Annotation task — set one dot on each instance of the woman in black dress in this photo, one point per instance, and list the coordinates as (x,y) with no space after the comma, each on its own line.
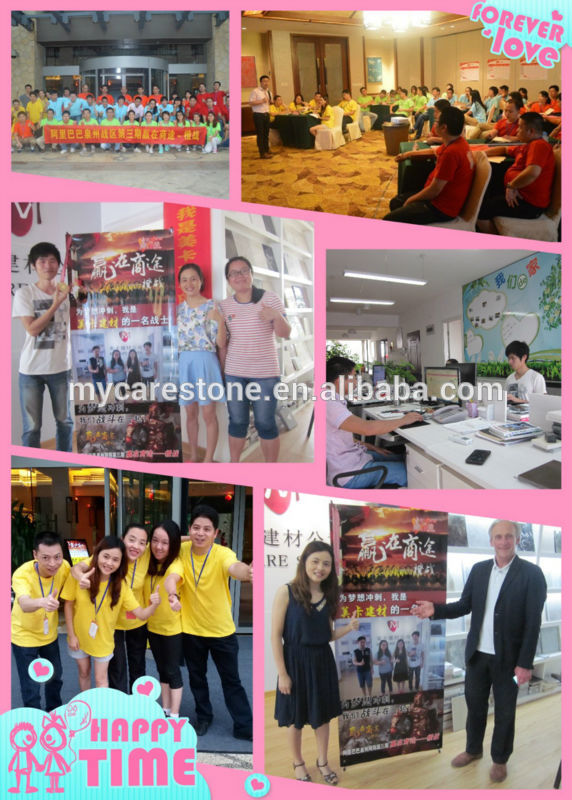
(401,668)
(302,629)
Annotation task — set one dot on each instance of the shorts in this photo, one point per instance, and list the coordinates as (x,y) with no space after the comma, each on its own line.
(77,654)
(364,678)
(203,365)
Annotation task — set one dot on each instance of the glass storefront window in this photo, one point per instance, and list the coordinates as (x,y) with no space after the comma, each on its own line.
(147,499)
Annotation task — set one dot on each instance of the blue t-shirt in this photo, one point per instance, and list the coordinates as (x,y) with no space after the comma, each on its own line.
(77,107)
(56,106)
(478,112)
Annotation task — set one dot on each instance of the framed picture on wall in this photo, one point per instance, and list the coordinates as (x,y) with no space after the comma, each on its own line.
(248,72)
(374,71)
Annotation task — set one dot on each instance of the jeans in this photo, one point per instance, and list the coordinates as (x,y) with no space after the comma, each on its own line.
(31,403)
(414,672)
(128,655)
(264,408)
(224,652)
(396,472)
(385,678)
(31,698)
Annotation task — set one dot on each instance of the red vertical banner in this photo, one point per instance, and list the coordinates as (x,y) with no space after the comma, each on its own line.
(191,227)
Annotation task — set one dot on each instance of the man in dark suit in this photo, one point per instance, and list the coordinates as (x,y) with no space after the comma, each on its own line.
(504,596)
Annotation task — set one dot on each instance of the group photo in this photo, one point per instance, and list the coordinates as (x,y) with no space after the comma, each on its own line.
(166,333)
(95,94)
(105,591)
(459,139)
(371,653)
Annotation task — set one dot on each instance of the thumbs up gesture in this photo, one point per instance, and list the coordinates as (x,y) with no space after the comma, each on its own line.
(51,602)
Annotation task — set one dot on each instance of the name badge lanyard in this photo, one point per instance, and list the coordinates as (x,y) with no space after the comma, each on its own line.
(94,626)
(46,622)
(130,614)
(197,580)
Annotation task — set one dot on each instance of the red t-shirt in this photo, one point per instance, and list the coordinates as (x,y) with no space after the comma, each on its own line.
(220,108)
(156,97)
(218,97)
(455,165)
(197,108)
(540,153)
(23,129)
(505,128)
(110,99)
(201,98)
(555,105)
(538,108)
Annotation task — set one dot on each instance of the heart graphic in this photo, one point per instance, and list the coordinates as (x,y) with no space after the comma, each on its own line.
(277,501)
(256,784)
(41,670)
(392,625)
(557,16)
(523,329)
(488,33)
(145,688)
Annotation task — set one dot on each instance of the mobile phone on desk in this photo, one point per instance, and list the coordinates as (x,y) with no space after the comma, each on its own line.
(478,457)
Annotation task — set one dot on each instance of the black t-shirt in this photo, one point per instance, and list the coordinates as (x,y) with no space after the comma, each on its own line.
(363,657)
(99,365)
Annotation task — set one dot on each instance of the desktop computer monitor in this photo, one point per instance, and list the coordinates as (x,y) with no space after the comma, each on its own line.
(378,374)
(436,378)
(468,371)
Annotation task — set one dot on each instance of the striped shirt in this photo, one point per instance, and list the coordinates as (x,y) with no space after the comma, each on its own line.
(252,345)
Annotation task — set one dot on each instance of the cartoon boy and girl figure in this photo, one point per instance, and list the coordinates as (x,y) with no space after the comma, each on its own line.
(53,739)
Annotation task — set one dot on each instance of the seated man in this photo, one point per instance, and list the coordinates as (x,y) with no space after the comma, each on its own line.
(424,115)
(527,182)
(447,187)
(506,126)
(404,106)
(524,381)
(350,109)
(343,453)
(277,108)
(365,101)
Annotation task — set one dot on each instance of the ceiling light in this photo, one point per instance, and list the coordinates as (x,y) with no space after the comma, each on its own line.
(368,276)
(362,302)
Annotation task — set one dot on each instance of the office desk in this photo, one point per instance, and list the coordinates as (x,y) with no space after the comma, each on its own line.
(435,462)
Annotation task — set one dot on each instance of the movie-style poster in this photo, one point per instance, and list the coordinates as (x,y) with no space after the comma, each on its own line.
(124,344)
(391,670)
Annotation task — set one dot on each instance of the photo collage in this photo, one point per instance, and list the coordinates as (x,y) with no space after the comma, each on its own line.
(223,372)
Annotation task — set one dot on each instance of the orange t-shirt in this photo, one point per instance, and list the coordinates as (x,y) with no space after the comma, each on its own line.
(555,105)
(540,153)
(23,129)
(455,165)
(538,108)
(505,128)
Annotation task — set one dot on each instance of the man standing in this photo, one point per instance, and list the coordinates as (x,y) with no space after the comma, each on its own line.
(415,660)
(259,101)
(148,364)
(37,585)
(206,615)
(504,596)
(362,661)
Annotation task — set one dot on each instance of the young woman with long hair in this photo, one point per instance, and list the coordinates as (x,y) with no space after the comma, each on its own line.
(91,614)
(165,629)
(302,629)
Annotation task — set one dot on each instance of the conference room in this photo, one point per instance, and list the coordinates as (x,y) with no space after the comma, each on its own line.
(458,364)
(349,111)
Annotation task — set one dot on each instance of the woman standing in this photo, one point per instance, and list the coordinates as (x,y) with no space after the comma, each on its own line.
(165,627)
(401,668)
(254,317)
(200,331)
(302,629)
(116,367)
(133,368)
(92,614)
(384,663)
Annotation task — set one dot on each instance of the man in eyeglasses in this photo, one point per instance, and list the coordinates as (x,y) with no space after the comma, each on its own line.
(37,585)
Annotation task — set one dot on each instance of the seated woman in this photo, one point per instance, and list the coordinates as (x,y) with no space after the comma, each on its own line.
(299,105)
(325,114)
(477,112)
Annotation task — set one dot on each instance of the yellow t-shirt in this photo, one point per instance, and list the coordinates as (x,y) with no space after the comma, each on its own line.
(164,621)
(277,111)
(206,608)
(102,644)
(350,107)
(35,111)
(135,579)
(300,108)
(328,112)
(28,628)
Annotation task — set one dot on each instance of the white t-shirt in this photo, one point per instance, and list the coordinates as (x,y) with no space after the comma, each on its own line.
(343,453)
(50,351)
(531,382)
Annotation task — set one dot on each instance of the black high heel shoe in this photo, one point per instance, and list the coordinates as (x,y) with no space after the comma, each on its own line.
(330,778)
(306,778)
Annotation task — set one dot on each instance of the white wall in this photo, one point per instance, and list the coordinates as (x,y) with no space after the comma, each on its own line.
(436,311)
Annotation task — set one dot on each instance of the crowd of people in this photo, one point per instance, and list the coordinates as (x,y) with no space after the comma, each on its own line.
(235,337)
(198,108)
(521,185)
(162,589)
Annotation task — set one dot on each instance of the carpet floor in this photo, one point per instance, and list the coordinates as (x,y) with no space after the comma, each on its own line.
(358,179)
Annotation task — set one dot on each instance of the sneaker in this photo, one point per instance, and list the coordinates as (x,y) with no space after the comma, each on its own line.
(136,150)
(32,149)
(122,149)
